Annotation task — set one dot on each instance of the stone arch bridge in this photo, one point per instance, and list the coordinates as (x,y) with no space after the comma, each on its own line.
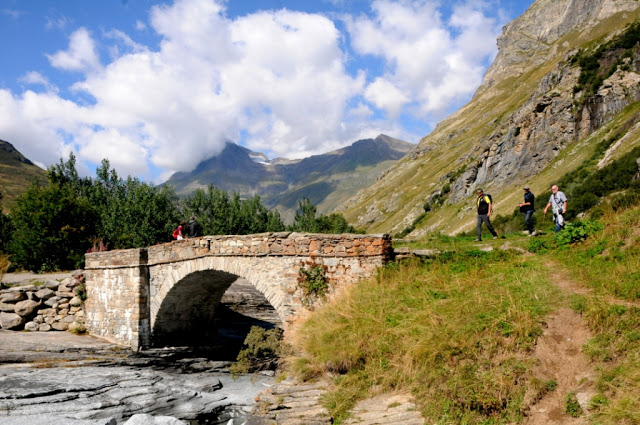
(167,294)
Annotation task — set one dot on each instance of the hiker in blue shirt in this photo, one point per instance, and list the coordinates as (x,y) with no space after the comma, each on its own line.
(558,204)
(484,212)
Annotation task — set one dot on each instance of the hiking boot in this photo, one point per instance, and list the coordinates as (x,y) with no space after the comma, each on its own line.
(478,240)
(533,233)
(495,237)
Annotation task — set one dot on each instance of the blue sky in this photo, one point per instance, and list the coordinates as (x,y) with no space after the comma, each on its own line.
(156,87)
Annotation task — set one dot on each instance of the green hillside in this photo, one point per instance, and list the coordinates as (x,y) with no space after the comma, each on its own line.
(528,126)
(16,173)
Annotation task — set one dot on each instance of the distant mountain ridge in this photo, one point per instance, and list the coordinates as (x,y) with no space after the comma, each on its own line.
(16,173)
(327,179)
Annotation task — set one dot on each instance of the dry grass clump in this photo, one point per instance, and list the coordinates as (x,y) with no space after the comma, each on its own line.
(456,331)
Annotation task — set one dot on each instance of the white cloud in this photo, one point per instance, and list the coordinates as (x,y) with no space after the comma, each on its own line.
(275,79)
(384,95)
(427,63)
(36,78)
(81,55)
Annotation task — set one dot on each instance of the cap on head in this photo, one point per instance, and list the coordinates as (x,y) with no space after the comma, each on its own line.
(526,188)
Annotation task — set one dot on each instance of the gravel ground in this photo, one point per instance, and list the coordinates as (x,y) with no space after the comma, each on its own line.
(28,277)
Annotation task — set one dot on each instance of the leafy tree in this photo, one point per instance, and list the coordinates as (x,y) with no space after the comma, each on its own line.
(6,228)
(132,213)
(220,215)
(53,228)
(306,220)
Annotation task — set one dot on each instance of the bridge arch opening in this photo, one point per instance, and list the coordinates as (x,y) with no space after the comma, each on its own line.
(213,310)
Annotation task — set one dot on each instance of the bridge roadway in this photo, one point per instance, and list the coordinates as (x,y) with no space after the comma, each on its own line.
(167,294)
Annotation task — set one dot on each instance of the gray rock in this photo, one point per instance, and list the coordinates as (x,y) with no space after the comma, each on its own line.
(144,419)
(10,321)
(25,288)
(75,301)
(65,294)
(12,297)
(52,420)
(45,294)
(53,301)
(7,308)
(60,326)
(51,284)
(27,307)
(44,327)
(31,326)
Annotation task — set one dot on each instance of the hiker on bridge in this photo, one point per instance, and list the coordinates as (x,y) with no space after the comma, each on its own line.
(485,207)
(558,204)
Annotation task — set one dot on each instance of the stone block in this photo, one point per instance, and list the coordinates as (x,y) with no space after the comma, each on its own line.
(52,302)
(7,308)
(60,326)
(75,301)
(51,284)
(44,327)
(26,307)
(12,297)
(11,321)
(45,294)
(31,326)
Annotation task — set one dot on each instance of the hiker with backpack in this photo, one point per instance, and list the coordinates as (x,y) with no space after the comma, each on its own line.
(527,208)
(485,207)
(558,204)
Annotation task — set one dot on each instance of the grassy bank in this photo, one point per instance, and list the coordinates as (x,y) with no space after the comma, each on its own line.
(455,331)
(458,331)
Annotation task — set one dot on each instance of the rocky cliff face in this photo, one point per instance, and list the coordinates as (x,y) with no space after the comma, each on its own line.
(528,116)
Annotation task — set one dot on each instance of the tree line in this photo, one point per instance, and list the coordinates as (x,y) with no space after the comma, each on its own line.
(51,227)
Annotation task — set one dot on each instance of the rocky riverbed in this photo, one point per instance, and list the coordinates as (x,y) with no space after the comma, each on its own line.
(60,378)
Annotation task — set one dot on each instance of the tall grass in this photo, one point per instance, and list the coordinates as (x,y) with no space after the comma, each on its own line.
(455,331)
(609,262)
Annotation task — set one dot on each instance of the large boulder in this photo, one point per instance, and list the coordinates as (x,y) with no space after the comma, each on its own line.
(27,307)
(11,321)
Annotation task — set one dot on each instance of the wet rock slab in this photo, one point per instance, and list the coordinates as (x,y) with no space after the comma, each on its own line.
(93,382)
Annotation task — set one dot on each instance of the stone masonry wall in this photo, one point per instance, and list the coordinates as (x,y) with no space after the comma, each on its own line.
(126,289)
(117,293)
(54,306)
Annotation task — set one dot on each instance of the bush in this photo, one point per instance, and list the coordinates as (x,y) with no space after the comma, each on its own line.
(577,232)
(261,351)
(313,282)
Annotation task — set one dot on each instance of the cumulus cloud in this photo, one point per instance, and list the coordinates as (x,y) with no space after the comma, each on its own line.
(429,64)
(36,78)
(274,80)
(81,55)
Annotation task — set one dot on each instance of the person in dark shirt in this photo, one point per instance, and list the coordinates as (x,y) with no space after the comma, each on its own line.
(527,208)
(484,212)
(194,227)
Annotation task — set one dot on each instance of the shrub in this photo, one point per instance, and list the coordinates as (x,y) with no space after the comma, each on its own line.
(313,282)
(577,232)
(261,351)
(538,245)
(573,406)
